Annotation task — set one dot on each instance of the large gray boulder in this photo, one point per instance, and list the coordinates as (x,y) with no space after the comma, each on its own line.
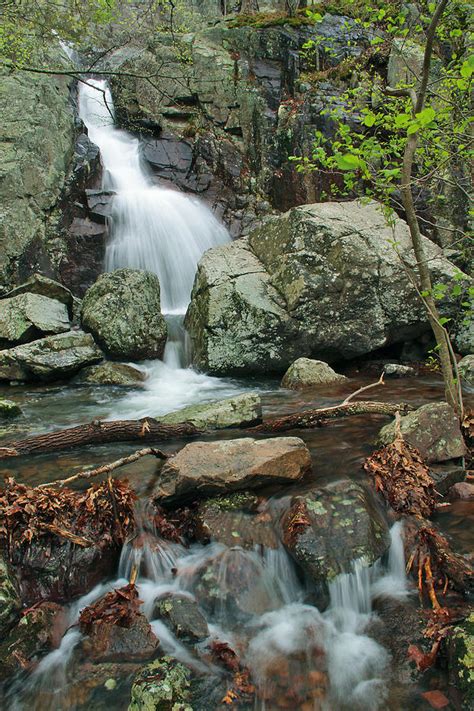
(122,311)
(202,468)
(110,373)
(236,411)
(321,281)
(26,317)
(40,284)
(433,429)
(305,373)
(50,358)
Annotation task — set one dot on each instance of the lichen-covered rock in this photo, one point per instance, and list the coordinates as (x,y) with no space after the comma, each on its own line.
(466,369)
(10,603)
(183,615)
(122,311)
(9,409)
(464,338)
(230,465)
(40,284)
(163,685)
(110,373)
(50,358)
(327,529)
(396,370)
(304,373)
(461,660)
(236,319)
(236,411)
(27,317)
(433,429)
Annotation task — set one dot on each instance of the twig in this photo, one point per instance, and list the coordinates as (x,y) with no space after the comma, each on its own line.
(380,381)
(106,468)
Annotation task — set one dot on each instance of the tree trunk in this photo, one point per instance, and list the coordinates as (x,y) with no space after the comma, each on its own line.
(248,7)
(291,7)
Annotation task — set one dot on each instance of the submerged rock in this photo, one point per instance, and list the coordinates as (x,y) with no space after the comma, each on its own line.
(27,317)
(304,373)
(122,311)
(239,411)
(461,660)
(229,465)
(433,429)
(327,529)
(163,685)
(110,373)
(50,358)
(10,603)
(183,615)
(466,369)
(9,409)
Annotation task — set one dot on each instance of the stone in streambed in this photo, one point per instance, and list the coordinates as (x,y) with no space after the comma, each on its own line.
(202,468)
(463,490)
(122,311)
(39,284)
(26,317)
(183,615)
(466,369)
(110,373)
(305,372)
(461,660)
(50,358)
(433,429)
(163,685)
(10,603)
(240,411)
(9,409)
(396,370)
(327,529)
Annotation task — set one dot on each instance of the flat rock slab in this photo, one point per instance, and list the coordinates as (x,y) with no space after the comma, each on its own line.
(26,317)
(237,411)
(231,465)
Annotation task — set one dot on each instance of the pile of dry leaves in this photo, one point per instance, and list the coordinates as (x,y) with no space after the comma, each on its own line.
(103,512)
(119,607)
(241,688)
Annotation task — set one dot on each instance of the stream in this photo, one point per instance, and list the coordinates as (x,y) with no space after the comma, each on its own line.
(283,636)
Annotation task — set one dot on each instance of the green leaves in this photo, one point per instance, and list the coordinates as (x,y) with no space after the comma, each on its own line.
(421,120)
(348,161)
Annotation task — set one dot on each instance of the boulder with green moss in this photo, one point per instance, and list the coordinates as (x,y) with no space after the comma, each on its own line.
(466,369)
(9,409)
(26,317)
(461,660)
(40,284)
(239,411)
(163,685)
(122,311)
(305,373)
(110,373)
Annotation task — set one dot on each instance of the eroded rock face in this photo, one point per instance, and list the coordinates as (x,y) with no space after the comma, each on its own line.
(237,411)
(304,373)
(26,317)
(433,429)
(109,373)
(327,529)
(231,465)
(122,311)
(50,358)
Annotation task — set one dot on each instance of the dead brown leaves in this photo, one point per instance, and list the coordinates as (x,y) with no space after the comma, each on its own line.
(103,512)
(296,522)
(401,476)
(241,687)
(119,607)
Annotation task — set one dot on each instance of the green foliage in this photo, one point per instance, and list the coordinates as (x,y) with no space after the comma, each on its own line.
(260,20)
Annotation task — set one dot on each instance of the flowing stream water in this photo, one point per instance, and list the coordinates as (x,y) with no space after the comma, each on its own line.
(164,231)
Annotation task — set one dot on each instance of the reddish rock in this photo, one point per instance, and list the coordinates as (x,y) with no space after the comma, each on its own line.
(463,490)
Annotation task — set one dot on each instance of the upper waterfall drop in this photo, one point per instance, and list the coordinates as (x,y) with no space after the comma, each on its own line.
(151,227)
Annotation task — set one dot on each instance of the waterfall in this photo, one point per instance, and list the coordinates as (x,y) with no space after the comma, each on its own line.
(151,227)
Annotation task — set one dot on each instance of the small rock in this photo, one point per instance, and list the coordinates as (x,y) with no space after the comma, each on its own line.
(462,490)
(466,369)
(27,317)
(50,358)
(395,370)
(163,685)
(240,411)
(445,476)
(230,465)
(122,311)
(8,409)
(304,373)
(110,373)
(183,616)
(433,429)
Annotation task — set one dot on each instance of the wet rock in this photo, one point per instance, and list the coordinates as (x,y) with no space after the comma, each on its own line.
(464,338)
(445,476)
(9,409)
(462,490)
(235,520)
(239,411)
(44,286)
(26,317)
(109,373)
(100,687)
(461,660)
(396,370)
(230,465)
(50,358)
(183,615)
(10,603)
(466,369)
(122,311)
(163,685)
(236,319)
(327,529)
(304,373)
(433,429)
(37,633)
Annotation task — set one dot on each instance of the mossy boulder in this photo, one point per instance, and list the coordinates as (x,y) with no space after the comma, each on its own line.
(461,660)
(110,373)
(305,373)
(10,603)
(26,317)
(122,311)
(236,411)
(9,409)
(163,685)
(466,369)
(40,284)
(433,429)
